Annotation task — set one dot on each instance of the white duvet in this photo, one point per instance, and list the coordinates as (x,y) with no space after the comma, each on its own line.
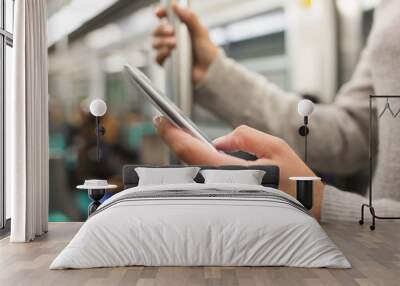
(200,231)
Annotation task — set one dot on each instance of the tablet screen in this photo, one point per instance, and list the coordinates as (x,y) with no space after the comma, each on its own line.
(165,105)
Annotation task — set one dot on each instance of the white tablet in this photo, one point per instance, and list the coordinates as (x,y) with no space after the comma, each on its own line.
(165,105)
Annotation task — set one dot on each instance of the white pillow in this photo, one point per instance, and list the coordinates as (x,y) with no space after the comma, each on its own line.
(166,176)
(243,177)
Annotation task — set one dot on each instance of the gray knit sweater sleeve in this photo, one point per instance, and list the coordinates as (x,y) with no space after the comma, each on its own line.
(345,206)
(339,131)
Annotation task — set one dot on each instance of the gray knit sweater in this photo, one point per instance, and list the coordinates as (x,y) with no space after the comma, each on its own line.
(340,130)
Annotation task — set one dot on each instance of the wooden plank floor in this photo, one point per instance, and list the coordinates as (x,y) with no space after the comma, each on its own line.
(375,257)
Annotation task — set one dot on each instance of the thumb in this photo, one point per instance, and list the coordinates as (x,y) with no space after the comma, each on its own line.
(249,140)
(188,17)
(189,149)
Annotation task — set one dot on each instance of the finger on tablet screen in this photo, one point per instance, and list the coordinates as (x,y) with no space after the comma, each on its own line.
(189,149)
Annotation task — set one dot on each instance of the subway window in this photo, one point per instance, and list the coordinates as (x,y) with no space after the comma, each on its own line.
(256,41)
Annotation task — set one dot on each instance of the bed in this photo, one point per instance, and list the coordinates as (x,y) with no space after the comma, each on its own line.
(199,224)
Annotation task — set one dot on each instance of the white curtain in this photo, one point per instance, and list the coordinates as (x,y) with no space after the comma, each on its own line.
(27,124)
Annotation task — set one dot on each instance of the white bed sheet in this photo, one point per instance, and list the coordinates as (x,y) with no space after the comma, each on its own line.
(200,232)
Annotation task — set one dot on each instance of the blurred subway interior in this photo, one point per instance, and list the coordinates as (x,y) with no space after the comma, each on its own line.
(310,47)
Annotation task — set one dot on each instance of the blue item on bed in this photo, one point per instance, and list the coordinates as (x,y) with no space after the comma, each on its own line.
(106,197)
